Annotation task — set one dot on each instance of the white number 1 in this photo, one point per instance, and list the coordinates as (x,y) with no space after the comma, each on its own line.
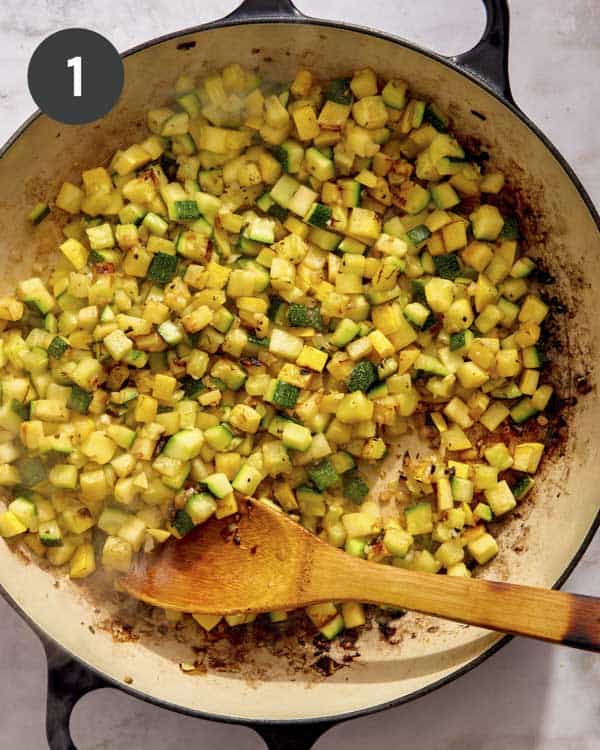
(75,63)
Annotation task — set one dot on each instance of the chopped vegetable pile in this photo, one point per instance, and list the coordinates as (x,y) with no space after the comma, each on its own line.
(258,299)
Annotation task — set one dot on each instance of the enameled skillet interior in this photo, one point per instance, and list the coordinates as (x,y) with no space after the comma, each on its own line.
(537,546)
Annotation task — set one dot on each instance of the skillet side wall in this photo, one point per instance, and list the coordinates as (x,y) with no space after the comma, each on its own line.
(567,503)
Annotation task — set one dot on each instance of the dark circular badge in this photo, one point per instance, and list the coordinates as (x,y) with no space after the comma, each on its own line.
(75,76)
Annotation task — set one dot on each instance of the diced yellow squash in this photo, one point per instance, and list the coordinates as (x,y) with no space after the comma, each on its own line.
(69,198)
(454,236)
(355,407)
(313,358)
(500,498)
(487,222)
(75,252)
(305,120)
(364,83)
(527,457)
(483,548)
(494,415)
(455,439)
(245,418)
(117,554)
(10,525)
(83,562)
(471,376)
(533,310)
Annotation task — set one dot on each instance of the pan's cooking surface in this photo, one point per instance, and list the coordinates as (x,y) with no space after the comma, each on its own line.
(530,555)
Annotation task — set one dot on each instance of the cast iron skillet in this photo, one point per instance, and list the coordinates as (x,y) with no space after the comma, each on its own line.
(68,678)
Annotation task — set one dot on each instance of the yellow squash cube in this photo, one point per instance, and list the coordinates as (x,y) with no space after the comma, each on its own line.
(454,236)
(483,548)
(305,120)
(245,418)
(527,457)
(83,562)
(494,415)
(500,498)
(145,408)
(381,344)
(355,407)
(98,447)
(471,376)
(164,387)
(313,358)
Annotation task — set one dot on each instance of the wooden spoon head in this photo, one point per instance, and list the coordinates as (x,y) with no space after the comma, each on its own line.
(255,561)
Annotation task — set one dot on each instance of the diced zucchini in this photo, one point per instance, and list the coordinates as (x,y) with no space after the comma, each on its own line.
(252,301)
(447,266)
(318,215)
(282,394)
(532,358)
(318,165)
(394,93)
(79,400)
(445,196)
(247,480)
(200,507)
(434,115)
(184,445)
(417,314)
(182,523)
(32,471)
(523,411)
(345,332)
(362,377)
(283,190)
(418,234)
(58,346)
(290,155)
(218,485)
(50,534)
(38,213)
(323,475)
(296,436)
(111,519)
(419,519)
(26,511)
(417,199)
(219,437)
(522,487)
(510,229)
(261,230)
(354,487)
(162,268)
(339,91)
(171,332)
(33,292)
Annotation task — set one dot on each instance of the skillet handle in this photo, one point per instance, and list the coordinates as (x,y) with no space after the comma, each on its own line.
(68,682)
(488,59)
(251,10)
(292,736)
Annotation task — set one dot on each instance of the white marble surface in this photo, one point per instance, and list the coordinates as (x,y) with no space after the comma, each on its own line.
(527,697)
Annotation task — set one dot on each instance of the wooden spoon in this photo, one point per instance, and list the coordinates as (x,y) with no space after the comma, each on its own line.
(261,560)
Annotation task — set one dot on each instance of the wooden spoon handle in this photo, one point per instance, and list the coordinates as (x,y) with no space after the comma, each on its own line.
(554,616)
